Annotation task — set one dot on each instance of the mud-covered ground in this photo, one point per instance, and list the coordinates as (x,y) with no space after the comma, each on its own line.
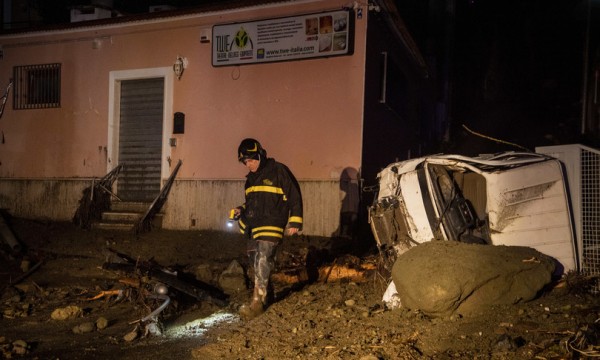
(338,316)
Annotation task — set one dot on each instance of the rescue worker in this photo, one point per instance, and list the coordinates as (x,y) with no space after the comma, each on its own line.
(272,208)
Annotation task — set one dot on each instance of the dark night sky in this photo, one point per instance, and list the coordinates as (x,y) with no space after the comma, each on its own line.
(515,66)
(518,69)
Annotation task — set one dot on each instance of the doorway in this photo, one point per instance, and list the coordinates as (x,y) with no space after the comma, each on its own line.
(140,139)
(139,130)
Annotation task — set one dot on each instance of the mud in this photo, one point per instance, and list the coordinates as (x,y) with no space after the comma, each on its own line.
(331,317)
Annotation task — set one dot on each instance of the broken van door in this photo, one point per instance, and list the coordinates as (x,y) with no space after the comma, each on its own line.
(454,214)
(517,199)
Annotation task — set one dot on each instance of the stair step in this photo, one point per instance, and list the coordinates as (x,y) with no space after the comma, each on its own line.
(113,226)
(127,206)
(125,215)
(112,216)
(125,221)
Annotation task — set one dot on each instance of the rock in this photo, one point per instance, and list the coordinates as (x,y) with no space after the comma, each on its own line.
(9,313)
(101,323)
(203,273)
(69,312)
(20,347)
(131,336)
(86,327)
(233,280)
(25,265)
(481,275)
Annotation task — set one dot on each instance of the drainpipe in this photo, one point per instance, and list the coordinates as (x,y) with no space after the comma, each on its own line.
(7,14)
(586,51)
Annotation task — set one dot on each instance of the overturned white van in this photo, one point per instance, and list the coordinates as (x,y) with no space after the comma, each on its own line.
(517,199)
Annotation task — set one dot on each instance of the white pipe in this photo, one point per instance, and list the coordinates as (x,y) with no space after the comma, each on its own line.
(157,311)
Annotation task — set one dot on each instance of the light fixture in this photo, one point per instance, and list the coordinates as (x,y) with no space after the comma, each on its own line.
(96,44)
(178,67)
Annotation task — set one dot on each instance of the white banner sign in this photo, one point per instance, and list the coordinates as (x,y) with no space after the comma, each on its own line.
(290,38)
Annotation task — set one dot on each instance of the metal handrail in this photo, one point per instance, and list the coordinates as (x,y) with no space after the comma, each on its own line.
(145,222)
(96,199)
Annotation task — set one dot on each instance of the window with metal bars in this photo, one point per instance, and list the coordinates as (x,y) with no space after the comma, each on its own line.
(36,86)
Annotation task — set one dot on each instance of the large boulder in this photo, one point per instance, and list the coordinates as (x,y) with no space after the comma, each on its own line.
(442,278)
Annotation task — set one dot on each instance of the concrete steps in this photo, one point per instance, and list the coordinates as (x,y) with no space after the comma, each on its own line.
(123,216)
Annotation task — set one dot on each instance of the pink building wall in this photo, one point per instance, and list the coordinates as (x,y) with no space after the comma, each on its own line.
(307,114)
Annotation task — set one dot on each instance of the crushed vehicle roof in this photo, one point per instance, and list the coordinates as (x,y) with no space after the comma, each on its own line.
(481,163)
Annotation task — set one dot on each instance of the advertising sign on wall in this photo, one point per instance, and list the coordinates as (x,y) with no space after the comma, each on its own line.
(282,39)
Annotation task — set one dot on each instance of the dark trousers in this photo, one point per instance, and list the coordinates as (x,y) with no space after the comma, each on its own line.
(262,256)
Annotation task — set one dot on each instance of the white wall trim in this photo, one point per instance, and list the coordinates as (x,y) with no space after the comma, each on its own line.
(114,94)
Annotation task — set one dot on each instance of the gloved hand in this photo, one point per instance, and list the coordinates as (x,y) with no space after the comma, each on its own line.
(292,230)
(235,213)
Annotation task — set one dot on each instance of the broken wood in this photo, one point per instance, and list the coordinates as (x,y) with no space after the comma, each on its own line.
(330,273)
(130,282)
(106,293)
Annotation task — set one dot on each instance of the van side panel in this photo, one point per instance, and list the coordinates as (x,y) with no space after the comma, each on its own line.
(528,206)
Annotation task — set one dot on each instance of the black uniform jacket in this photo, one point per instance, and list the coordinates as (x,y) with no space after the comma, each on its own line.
(273,199)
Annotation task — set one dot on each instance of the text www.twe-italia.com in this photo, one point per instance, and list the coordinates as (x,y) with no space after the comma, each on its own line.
(292,50)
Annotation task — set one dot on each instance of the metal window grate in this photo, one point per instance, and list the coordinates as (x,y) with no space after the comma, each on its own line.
(36,86)
(582,164)
(590,212)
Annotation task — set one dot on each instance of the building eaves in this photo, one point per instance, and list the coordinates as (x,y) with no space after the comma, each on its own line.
(211,7)
(396,23)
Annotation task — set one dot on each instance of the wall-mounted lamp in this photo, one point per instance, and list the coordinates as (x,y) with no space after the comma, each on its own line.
(179,65)
(100,41)
(96,44)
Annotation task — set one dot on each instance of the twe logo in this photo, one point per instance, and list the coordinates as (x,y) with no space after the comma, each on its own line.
(241,41)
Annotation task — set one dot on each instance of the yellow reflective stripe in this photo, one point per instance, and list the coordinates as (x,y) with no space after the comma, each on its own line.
(242,231)
(271,234)
(263,188)
(296,219)
(269,231)
(264,228)
(241,224)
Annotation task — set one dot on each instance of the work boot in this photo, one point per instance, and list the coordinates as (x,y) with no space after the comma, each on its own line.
(254,309)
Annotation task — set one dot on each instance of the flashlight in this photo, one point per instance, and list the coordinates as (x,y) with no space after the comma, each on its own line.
(233,217)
